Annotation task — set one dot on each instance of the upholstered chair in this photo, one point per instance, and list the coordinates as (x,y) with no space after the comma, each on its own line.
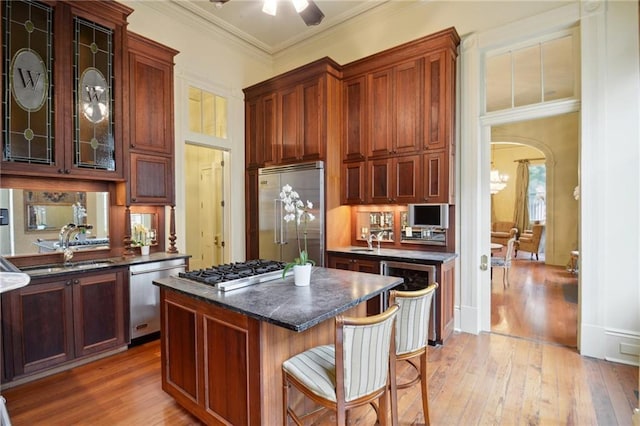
(530,241)
(502,231)
(504,262)
(352,372)
(412,334)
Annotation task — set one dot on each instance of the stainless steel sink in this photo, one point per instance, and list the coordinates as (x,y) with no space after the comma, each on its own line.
(61,267)
(362,249)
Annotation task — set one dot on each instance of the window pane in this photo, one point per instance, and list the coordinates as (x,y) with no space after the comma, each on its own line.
(558,69)
(527,76)
(208,113)
(195,123)
(498,82)
(221,117)
(537,193)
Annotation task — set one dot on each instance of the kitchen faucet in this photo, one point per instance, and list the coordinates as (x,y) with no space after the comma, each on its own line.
(65,235)
(379,236)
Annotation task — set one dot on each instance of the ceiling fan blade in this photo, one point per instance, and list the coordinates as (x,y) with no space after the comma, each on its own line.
(312,15)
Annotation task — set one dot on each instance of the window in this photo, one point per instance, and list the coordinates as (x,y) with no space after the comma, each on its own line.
(207,113)
(537,192)
(543,72)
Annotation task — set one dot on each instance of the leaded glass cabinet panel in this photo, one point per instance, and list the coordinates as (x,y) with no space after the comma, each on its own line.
(28,105)
(94,145)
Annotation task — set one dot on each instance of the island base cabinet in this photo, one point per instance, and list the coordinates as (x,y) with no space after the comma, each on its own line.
(207,356)
(50,323)
(226,368)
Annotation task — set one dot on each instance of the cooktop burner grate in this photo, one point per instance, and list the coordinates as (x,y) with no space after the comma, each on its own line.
(237,275)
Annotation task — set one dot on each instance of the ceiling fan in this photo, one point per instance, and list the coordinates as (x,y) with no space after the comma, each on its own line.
(307,9)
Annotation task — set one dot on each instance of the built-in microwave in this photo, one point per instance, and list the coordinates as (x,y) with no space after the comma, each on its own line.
(428,215)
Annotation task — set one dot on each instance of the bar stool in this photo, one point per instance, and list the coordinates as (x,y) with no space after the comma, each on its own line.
(354,371)
(412,334)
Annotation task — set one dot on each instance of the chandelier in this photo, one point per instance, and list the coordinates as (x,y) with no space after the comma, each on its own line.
(498,181)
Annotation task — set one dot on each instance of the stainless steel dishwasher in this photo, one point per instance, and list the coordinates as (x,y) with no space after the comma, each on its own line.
(145,296)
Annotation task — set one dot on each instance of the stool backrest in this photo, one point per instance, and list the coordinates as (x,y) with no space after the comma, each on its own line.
(412,324)
(362,353)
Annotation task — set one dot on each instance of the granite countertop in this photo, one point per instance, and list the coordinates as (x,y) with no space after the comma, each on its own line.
(397,254)
(83,266)
(280,302)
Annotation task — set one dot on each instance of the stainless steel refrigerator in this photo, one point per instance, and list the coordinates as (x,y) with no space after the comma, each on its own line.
(277,237)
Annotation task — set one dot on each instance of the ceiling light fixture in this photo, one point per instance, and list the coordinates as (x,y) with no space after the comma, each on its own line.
(270,7)
(498,181)
(300,5)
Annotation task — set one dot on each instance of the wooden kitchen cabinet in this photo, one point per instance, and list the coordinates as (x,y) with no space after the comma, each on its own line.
(394,180)
(149,125)
(399,120)
(208,354)
(260,127)
(354,105)
(394,109)
(445,300)
(71,133)
(100,311)
(354,263)
(437,184)
(353,182)
(49,323)
(292,117)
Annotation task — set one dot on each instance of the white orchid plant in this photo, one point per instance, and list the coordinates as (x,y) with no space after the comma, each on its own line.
(298,211)
(140,235)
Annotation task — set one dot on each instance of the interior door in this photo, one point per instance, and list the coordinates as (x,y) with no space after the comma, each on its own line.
(207,216)
(218,212)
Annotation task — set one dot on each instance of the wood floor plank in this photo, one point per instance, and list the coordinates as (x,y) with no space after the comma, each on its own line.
(526,372)
(483,379)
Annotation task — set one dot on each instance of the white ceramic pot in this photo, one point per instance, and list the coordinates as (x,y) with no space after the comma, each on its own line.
(144,250)
(302,275)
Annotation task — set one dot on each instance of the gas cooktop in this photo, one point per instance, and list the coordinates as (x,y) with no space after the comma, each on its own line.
(237,275)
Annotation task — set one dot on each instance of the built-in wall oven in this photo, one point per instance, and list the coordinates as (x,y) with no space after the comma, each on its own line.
(416,277)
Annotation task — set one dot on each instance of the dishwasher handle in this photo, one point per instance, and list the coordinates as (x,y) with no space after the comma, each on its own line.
(166,268)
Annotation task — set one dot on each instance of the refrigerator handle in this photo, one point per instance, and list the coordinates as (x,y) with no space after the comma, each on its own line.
(277,222)
(283,227)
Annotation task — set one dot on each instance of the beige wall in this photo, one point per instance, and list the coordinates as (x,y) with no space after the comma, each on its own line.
(555,138)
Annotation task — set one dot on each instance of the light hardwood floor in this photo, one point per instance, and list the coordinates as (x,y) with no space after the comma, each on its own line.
(490,378)
(540,303)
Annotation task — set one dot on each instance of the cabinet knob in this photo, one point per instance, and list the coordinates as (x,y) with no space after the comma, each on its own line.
(133,200)
(66,171)
(60,171)
(76,281)
(68,282)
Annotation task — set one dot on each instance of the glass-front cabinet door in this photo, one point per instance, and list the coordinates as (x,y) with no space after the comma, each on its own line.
(62,111)
(93,141)
(28,135)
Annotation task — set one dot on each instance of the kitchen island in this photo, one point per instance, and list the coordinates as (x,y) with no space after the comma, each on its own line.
(222,351)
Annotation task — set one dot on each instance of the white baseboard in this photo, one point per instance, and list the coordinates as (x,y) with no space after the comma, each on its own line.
(468,319)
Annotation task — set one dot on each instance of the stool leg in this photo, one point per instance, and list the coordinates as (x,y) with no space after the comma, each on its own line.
(424,386)
(394,391)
